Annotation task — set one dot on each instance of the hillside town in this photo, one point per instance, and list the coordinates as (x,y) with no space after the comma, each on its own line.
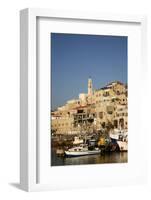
(93,111)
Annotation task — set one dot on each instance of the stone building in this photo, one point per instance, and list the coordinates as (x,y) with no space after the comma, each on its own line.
(92,111)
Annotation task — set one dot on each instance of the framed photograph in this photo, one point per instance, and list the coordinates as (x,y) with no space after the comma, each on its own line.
(81,81)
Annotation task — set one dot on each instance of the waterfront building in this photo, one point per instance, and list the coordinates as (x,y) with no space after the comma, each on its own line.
(92,111)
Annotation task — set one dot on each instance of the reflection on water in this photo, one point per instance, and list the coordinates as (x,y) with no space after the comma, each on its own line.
(113,157)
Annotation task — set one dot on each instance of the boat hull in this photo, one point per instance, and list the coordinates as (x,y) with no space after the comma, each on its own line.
(84,153)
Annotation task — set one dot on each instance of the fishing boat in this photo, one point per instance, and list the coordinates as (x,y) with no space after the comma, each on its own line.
(81,150)
(123,145)
(123,142)
(121,138)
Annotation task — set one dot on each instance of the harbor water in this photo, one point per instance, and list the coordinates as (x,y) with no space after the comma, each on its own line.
(107,157)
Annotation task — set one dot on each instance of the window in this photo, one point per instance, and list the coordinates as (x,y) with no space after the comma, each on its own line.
(80,111)
(106,94)
(100,115)
(118,92)
(109,109)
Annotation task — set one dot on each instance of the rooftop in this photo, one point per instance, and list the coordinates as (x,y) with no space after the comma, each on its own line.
(109,85)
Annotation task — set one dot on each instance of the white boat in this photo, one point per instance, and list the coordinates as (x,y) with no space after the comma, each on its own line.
(123,145)
(77,140)
(81,151)
(121,137)
(114,134)
(117,134)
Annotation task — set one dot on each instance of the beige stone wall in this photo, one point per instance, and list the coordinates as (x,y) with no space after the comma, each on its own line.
(62,125)
(106,105)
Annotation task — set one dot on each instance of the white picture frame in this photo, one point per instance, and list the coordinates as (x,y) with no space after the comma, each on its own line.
(29,141)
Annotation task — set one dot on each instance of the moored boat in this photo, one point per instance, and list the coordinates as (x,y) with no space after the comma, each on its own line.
(123,145)
(121,138)
(81,151)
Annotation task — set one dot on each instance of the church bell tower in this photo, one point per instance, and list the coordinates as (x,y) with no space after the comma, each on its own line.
(90,88)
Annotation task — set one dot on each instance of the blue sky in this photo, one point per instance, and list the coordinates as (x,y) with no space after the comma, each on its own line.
(76,57)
